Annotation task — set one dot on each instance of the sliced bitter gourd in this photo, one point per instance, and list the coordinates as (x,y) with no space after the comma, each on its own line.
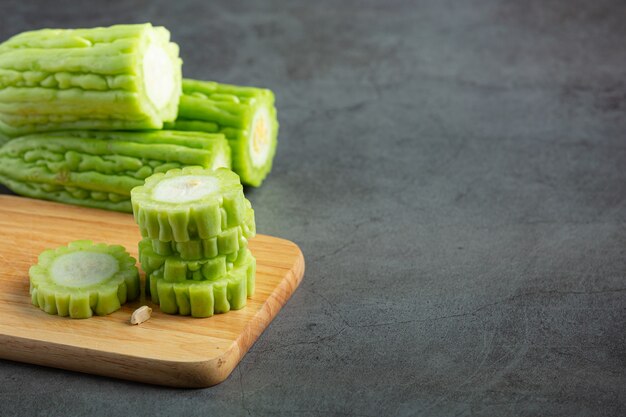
(98,169)
(246,115)
(174,268)
(191,203)
(205,298)
(82,279)
(209,248)
(121,77)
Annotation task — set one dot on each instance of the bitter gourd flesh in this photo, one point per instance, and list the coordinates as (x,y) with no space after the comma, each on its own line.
(191,203)
(224,243)
(173,268)
(246,115)
(205,298)
(82,279)
(98,169)
(115,78)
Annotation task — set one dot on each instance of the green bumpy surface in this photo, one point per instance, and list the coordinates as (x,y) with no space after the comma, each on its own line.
(173,268)
(100,298)
(58,79)
(212,107)
(200,219)
(228,241)
(205,298)
(99,169)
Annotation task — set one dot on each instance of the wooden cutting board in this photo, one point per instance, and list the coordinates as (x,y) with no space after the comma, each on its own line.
(166,350)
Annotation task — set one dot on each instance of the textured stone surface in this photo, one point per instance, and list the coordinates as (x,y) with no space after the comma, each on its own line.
(454,173)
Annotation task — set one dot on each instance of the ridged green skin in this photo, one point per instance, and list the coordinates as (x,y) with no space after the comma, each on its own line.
(59,79)
(205,298)
(173,268)
(209,248)
(99,168)
(208,106)
(99,298)
(201,219)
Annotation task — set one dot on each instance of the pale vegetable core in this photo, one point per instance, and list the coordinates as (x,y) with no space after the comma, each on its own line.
(158,76)
(259,145)
(184,189)
(220,161)
(81,269)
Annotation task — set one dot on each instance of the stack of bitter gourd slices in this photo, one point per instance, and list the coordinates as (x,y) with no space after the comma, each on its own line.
(195,225)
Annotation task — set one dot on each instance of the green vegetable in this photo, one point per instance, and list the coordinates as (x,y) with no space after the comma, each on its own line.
(81,279)
(196,224)
(191,203)
(173,268)
(116,78)
(246,115)
(205,298)
(98,169)
(209,248)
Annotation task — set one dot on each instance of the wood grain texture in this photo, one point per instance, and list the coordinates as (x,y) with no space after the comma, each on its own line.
(166,350)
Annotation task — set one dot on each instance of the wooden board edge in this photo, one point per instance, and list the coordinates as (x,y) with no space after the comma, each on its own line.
(272,306)
(182,374)
(202,374)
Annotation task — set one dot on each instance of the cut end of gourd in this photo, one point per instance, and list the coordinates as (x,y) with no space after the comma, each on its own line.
(189,203)
(222,160)
(83,279)
(83,269)
(185,189)
(159,75)
(260,137)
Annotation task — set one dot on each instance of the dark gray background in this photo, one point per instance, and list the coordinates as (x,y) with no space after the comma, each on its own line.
(455,173)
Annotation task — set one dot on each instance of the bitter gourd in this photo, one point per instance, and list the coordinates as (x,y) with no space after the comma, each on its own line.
(224,243)
(246,115)
(173,268)
(98,169)
(82,279)
(191,203)
(205,298)
(115,78)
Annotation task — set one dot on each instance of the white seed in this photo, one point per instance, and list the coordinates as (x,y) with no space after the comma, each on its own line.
(140,315)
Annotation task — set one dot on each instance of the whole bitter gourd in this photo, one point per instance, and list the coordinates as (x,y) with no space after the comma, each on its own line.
(245,115)
(99,169)
(123,77)
(83,278)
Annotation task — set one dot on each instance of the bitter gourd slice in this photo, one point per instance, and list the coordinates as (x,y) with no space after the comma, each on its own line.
(191,203)
(205,298)
(82,279)
(209,248)
(99,168)
(174,268)
(121,77)
(246,115)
